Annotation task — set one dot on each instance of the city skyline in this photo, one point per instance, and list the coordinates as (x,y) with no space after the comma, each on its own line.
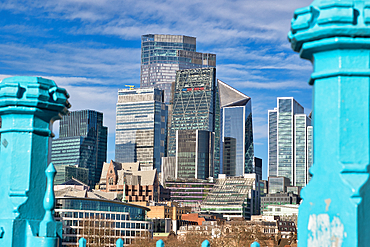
(93,49)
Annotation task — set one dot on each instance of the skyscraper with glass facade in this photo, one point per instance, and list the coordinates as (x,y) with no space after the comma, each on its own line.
(288,142)
(162,55)
(141,127)
(236,131)
(194,108)
(82,143)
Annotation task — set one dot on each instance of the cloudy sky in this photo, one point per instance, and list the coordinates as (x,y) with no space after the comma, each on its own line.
(92,48)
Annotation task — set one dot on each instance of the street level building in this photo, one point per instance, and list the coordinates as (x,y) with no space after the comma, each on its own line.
(81,148)
(99,220)
(141,127)
(287,212)
(290,142)
(162,55)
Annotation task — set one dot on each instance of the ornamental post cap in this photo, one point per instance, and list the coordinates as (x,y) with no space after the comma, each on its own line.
(29,91)
(330,18)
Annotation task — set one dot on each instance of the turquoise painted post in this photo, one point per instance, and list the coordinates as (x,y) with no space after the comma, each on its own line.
(28,105)
(159,243)
(82,242)
(119,243)
(255,244)
(335,37)
(206,244)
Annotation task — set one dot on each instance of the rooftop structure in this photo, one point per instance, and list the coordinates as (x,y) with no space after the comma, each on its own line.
(233,197)
(162,55)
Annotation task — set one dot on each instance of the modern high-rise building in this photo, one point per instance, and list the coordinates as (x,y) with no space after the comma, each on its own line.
(237,150)
(289,136)
(194,109)
(162,55)
(141,127)
(82,143)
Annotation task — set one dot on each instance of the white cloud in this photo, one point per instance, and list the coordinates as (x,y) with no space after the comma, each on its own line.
(215,21)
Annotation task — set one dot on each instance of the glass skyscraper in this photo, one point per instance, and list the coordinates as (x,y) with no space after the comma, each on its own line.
(163,55)
(194,106)
(82,143)
(288,156)
(141,127)
(237,150)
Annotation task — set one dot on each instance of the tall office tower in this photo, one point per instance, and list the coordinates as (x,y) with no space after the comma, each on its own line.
(194,106)
(288,139)
(237,150)
(140,127)
(82,143)
(163,55)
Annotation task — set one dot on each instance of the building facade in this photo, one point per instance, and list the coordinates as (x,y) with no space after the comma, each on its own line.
(101,222)
(279,199)
(82,143)
(194,109)
(189,192)
(163,55)
(233,197)
(130,183)
(237,150)
(194,154)
(288,141)
(141,127)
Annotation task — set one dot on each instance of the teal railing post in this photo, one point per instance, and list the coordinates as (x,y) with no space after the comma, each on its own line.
(82,242)
(206,243)
(119,243)
(335,37)
(28,106)
(159,243)
(255,244)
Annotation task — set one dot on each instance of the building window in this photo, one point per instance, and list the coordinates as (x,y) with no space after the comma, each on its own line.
(110,181)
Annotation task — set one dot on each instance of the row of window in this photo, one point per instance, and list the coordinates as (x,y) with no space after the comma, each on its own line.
(103,224)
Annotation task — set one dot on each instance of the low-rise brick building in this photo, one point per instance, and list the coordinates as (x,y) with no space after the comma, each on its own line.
(127,179)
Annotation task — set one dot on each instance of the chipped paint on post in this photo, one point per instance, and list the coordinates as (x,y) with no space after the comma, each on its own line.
(325,233)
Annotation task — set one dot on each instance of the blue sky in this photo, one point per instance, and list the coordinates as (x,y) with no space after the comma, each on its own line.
(92,48)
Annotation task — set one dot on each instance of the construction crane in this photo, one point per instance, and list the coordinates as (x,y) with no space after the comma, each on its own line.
(130,86)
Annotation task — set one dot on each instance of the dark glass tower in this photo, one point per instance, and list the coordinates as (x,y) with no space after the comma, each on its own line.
(194,106)
(82,143)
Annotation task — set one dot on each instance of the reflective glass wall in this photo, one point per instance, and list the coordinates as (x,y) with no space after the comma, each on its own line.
(140,127)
